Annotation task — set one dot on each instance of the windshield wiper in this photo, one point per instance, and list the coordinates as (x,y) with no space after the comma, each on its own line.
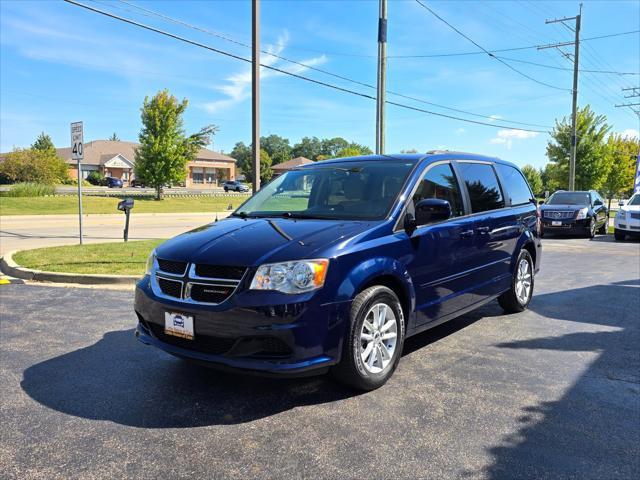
(301,215)
(243,214)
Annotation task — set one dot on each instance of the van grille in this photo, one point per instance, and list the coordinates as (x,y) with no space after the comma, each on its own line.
(200,343)
(171,266)
(207,293)
(220,271)
(171,288)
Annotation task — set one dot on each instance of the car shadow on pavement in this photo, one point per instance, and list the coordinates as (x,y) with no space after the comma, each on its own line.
(122,381)
(593,430)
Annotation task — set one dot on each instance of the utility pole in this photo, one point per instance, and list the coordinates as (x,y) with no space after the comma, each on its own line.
(574,106)
(255,92)
(382,76)
(635,93)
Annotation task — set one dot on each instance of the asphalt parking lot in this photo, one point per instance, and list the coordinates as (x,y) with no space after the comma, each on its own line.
(553,392)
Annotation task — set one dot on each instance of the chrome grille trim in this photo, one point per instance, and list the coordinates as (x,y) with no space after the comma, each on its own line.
(188,278)
(559,214)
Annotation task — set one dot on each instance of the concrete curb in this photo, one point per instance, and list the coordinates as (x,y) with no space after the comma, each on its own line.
(11,268)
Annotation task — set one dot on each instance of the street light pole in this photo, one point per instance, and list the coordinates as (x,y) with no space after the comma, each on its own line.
(255,92)
(382,76)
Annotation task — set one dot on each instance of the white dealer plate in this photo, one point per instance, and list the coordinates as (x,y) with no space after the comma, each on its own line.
(556,223)
(178,325)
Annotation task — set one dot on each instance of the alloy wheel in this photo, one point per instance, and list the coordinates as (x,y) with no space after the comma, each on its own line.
(523,281)
(378,338)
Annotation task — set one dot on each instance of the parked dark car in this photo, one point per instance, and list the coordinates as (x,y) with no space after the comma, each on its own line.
(135,183)
(575,212)
(112,182)
(235,186)
(333,264)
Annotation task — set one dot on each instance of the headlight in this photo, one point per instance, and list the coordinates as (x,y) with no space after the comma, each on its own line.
(151,260)
(622,214)
(291,277)
(582,213)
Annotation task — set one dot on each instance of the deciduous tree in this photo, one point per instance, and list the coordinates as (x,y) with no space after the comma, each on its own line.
(165,149)
(533,177)
(277,147)
(33,165)
(592,164)
(44,143)
(622,153)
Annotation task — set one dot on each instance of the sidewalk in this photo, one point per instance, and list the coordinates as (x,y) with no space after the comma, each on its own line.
(21,232)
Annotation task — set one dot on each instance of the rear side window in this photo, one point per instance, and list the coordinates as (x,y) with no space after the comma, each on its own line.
(482,185)
(440,182)
(514,184)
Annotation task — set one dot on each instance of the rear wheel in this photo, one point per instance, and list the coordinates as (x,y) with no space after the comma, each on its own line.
(226,189)
(373,344)
(619,235)
(517,298)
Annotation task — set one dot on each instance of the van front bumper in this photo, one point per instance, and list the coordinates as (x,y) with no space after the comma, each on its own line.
(286,339)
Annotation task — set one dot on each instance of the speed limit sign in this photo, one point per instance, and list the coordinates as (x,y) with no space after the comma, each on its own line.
(77,146)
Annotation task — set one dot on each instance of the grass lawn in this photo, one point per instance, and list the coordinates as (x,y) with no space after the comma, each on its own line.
(69,204)
(105,258)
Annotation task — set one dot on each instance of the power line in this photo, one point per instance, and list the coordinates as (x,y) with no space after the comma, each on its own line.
(500,50)
(320,70)
(566,68)
(462,34)
(284,72)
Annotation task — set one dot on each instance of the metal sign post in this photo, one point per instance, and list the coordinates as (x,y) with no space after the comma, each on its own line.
(77,150)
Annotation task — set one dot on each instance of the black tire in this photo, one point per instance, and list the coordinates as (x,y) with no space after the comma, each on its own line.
(351,370)
(591,233)
(509,300)
(226,189)
(619,235)
(604,229)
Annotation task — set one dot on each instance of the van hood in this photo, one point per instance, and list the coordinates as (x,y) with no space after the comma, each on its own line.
(254,241)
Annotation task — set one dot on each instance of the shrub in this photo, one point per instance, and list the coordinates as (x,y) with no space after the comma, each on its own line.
(95,177)
(29,190)
(34,166)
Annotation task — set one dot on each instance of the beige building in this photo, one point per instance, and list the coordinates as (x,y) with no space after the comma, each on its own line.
(117,159)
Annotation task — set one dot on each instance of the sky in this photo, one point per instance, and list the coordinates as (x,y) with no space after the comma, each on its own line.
(60,63)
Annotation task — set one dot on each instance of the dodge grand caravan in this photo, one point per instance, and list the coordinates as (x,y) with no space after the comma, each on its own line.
(331,266)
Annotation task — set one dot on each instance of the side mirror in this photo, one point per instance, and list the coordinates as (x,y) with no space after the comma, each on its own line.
(541,202)
(597,202)
(432,210)
(410,224)
(621,203)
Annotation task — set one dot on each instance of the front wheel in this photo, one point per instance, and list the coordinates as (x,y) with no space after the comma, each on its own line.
(604,228)
(619,235)
(373,343)
(517,298)
(226,189)
(591,233)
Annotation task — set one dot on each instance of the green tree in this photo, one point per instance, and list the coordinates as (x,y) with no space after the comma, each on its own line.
(592,163)
(243,155)
(308,147)
(330,147)
(277,147)
(549,175)
(164,149)
(622,153)
(534,178)
(32,165)
(44,143)
(114,137)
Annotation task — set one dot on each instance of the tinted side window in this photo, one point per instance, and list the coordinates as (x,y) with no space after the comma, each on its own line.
(515,185)
(440,182)
(483,187)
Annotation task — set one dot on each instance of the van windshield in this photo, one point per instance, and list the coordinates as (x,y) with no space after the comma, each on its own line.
(346,190)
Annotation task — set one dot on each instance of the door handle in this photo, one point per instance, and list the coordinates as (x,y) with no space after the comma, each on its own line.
(466,234)
(483,230)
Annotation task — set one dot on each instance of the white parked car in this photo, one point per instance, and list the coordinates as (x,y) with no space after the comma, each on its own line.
(627,221)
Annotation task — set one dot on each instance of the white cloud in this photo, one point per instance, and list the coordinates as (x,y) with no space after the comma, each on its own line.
(238,87)
(460,131)
(506,137)
(630,133)
(494,118)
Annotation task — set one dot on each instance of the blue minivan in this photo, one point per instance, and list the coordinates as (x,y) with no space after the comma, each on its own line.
(332,265)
